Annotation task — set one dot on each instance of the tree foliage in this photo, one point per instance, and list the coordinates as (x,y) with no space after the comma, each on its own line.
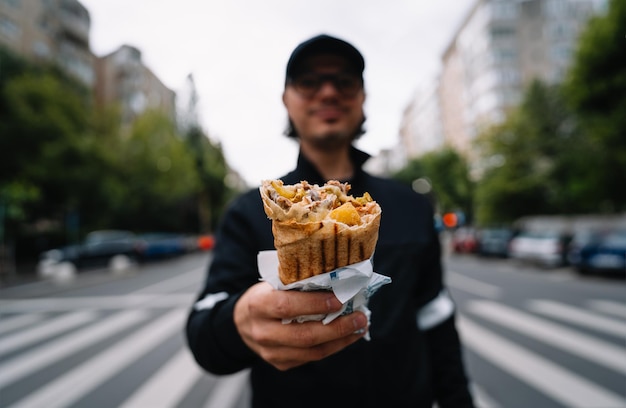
(66,165)
(448,173)
(596,90)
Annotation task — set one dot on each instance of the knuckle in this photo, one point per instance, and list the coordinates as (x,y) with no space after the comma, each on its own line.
(305,336)
(282,305)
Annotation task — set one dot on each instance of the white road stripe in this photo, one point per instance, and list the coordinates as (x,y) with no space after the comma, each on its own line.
(180,281)
(72,386)
(169,385)
(564,386)
(605,306)
(583,346)
(474,286)
(578,316)
(227,391)
(50,328)
(16,322)
(34,360)
(97,302)
(481,398)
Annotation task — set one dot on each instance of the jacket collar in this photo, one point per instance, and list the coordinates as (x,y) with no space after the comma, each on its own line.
(305,170)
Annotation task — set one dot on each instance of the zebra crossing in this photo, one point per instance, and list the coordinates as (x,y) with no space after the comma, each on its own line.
(70,352)
(571,389)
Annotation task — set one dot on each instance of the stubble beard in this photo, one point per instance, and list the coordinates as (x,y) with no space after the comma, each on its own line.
(330,141)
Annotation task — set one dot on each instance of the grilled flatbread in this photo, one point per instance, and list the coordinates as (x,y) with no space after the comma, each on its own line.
(318,229)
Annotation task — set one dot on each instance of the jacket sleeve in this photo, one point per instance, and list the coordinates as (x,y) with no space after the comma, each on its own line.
(211,332)
(437,319)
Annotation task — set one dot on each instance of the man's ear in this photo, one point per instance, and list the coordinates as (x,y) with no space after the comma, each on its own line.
(284,97)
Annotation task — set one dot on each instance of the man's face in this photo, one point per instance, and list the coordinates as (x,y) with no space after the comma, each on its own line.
(325,102)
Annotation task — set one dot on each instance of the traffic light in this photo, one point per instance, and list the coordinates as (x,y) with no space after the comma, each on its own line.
(450,220)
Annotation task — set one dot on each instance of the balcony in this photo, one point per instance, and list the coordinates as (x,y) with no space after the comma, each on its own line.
(74,21)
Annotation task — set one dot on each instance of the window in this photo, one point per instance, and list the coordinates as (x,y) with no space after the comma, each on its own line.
(8,28)
(41,49)
(13,3)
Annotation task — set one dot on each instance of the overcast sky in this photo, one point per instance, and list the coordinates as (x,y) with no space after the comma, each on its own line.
(237,51)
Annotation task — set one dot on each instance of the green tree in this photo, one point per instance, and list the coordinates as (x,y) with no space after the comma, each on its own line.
(536,161)
(448,173)
(212,169)
(158,175)
(596,89)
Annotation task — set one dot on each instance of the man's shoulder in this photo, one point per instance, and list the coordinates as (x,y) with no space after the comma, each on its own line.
(246,201)
(391,188)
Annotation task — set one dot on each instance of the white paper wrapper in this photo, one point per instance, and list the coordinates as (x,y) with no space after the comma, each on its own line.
(353,285)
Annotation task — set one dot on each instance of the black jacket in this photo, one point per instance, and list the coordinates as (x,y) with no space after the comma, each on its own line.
(401,366)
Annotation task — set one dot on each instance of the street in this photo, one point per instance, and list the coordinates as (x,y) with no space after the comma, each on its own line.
(533,338)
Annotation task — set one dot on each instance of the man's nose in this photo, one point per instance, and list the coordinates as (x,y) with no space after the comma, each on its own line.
(328,87)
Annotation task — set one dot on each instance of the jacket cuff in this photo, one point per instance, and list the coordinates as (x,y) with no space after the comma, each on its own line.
(214,338)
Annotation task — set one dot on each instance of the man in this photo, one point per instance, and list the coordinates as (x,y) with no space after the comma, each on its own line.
(414,356)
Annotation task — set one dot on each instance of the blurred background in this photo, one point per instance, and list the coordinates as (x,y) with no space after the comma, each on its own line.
(516,132)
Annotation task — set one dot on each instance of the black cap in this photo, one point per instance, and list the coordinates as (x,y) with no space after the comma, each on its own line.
(324,44)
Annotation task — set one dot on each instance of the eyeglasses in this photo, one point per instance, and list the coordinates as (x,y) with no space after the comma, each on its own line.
(307,85)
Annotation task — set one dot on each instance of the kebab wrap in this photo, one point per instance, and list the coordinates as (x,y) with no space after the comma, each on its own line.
(318,229)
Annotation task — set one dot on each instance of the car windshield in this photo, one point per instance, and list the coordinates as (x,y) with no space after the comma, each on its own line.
(540,234)
(617,238)
(496,233)
(104,236)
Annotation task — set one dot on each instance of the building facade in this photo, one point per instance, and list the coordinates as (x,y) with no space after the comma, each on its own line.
(420,128)
(124,80)
(500,47)
(57,32)
(54,31)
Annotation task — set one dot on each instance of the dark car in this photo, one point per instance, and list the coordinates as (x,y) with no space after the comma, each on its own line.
(604,254)
(115,249)
(157,245)
(494,241)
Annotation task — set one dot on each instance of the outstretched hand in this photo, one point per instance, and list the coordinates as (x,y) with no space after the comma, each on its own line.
(259,314)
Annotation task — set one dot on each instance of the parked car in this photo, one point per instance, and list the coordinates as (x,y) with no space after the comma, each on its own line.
(580,239)
(604,254)
(464,240)
(494,241)
(115,249)
(156,245)
(545,247)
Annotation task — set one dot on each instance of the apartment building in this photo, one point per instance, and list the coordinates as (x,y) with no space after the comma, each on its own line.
(420,128)
(499,48)
(124,80)
(55,31)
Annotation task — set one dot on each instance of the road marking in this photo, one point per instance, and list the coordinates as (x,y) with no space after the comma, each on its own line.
(474,286)
(481,398)
(169,385)
(48,329)
(578,316)
(181,281)
(16,322)
(227,390)
(554,334)
(69,388)
(34,360)
(569,389)
(605,306)
(98,302)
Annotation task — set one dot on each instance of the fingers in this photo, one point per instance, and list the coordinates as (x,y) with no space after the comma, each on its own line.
(284,358)
(309,334)
(278,304)
(259,313)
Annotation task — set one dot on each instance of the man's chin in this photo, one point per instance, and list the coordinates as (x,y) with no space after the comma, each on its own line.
(330,140)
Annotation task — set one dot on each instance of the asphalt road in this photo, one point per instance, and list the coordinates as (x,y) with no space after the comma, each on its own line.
(532,338)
